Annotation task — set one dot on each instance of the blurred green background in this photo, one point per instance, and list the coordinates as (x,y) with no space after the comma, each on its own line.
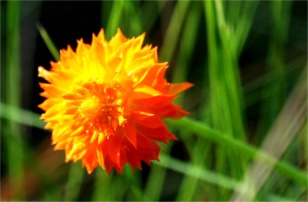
(246,135)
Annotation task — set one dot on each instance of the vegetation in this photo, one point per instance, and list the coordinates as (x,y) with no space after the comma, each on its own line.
(245,138)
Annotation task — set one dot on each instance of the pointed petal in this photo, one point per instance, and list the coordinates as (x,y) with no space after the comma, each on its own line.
(130,131)
(179,87)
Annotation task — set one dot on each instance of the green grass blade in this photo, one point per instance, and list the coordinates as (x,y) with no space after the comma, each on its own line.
(114,18)
(173,32)
(197,172)
(156,179)
(131,10)
(15,114)
(243,23)
(281,135)
(100,192)
(150,11)
(200,173)
(107,186)
(189,186)
(276,66)
(73,185)
(206,132)
(188,41)
(225,90)
(187,44)
(12,137)
(50,45)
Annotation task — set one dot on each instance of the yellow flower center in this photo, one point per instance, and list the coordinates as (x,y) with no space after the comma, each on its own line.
(103,107)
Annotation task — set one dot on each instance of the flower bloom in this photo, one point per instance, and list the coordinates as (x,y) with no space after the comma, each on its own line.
(106,101)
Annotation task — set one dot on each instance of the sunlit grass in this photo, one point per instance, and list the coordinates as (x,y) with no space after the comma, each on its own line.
(223,153)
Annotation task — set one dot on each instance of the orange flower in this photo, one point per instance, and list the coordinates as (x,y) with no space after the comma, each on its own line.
(106,101)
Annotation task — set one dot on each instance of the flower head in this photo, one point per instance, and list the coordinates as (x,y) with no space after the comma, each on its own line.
(106,101)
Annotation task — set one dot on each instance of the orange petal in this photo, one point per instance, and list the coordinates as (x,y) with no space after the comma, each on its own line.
(155,102)
(130,132)
(145,92)
(151,122)
(179,87)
